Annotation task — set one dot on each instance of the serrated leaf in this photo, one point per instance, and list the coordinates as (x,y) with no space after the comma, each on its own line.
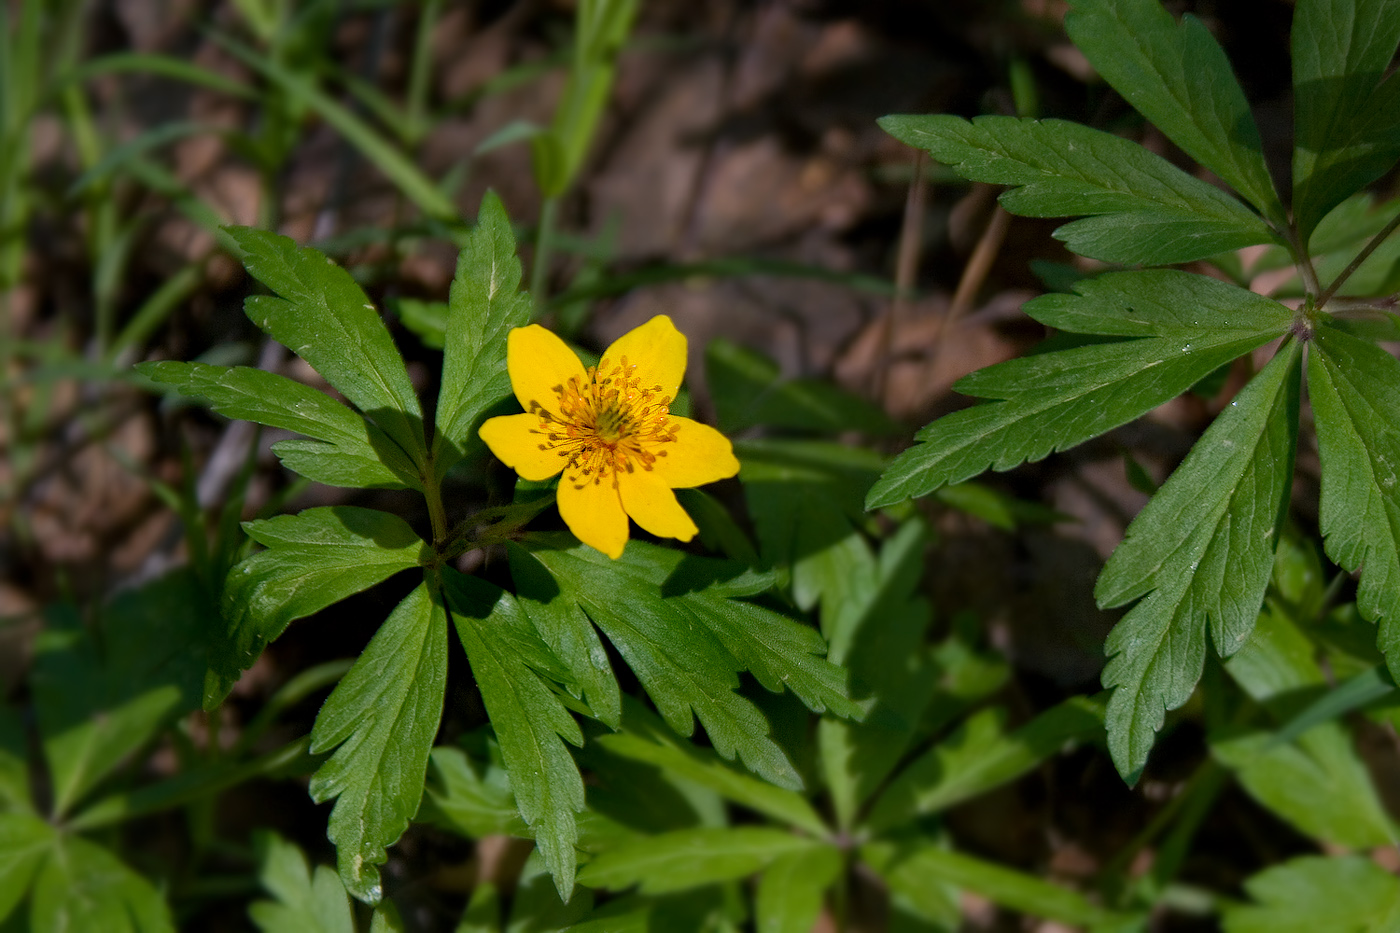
(529,720)
(1177,76)
(1158,303)
(305,903)
(25,842)
(1346,118)
(1317,893)
(1052,402)
(82,886)
(324,317)
(568,633)
(313,560)
(645,739)
(345,450)
(691,858)
(1355,388)
(459,799)
(536,906)
(484,304)
(1200,554)
(1140,207)
(979,756)
(381,720)
(793,888)
(101,697)
(681,649)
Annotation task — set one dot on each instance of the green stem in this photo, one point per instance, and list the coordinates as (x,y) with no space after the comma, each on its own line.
(544,245)
(1361,257)
(437,514)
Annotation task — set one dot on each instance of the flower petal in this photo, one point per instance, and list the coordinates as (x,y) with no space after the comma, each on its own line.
(653,505)
(516,442)
(699,455)
(538,361)
(655,355)
(593,512)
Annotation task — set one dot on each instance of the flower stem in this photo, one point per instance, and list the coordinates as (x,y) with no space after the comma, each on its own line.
(432,491)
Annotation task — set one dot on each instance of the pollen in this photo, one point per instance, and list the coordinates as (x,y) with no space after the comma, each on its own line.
(605,423)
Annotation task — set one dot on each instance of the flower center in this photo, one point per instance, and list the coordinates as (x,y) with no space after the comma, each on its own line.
(605,423)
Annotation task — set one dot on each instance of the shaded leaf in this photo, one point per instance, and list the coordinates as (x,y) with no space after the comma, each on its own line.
(979,756)
(381,720)
(305,903)
(792,889)
(691,858)
(925,864)
(1177,76)
(100,698)
(82,886)
(25,842)
(1346,118)
(1142,208)
(1316,893)
(459,799)
(646,739)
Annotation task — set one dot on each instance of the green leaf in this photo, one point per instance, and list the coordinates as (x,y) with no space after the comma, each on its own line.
(529,720)
(691,858)
(1177,76)
(1142,209)
(1187,325)
(459,799)
(485,303)
(1313,893)
(99,699)
(305,903)
(1163,303)
(568,633)
(1355,388)
(1199,553)
(383,716)
(25,841)
(427,319)
(536,905)
(791,891)
(681,649)
(1318,784)
(346,450)
(880,636)
(82,886)
(925,864)
(978,757)
(1346,118)
(14,765)
(324,317)
(646,739)
(747,389)
(313,560)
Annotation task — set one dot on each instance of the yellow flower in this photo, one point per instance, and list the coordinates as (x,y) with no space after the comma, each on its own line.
(610,430)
